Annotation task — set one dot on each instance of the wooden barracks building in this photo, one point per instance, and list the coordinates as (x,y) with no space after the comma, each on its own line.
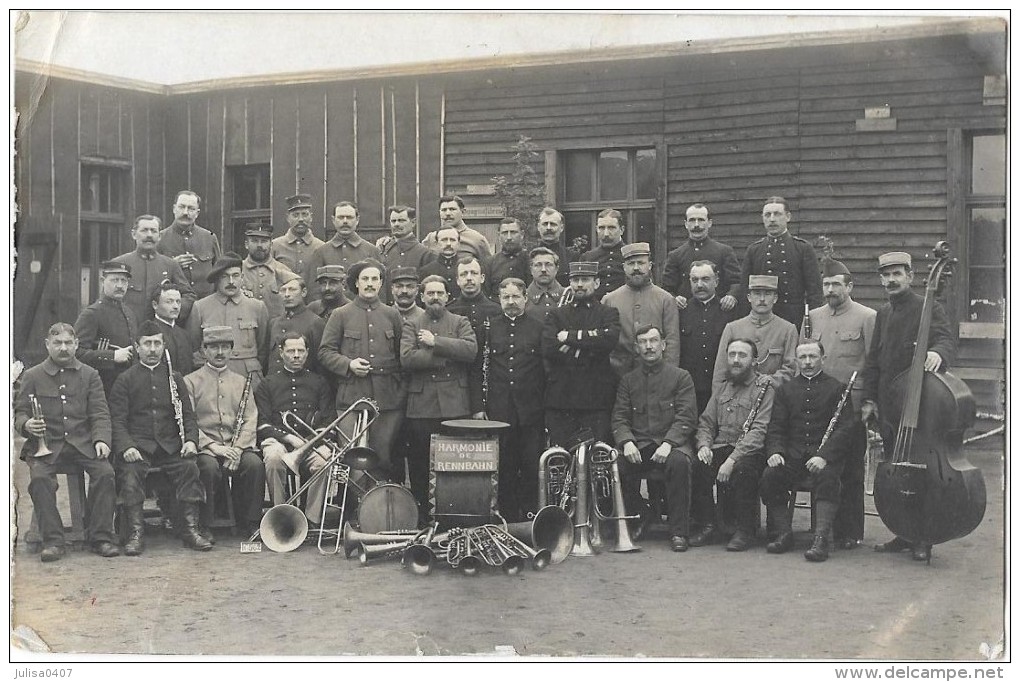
(886,140)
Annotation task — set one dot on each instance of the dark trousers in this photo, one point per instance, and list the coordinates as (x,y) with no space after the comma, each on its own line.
(563,424)
(520,447)
(677,471)
(743,489)
(99,503)
(779,482)
(182,472)
(248,487)
(418,456)
(849,523)
(382,436)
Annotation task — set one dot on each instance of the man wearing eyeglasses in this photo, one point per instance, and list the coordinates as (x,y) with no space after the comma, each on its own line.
(295,247)
(193,247)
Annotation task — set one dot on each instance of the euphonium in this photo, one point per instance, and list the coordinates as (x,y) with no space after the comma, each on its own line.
(582,520)
(555,478)
(605,454)
(42,449)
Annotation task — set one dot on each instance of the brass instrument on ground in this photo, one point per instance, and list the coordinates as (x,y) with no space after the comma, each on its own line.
(175,398)
(610,507)
(42,449)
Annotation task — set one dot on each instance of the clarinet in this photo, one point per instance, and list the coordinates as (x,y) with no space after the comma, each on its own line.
(839,409)
(755,406)
(805,325)
(239,421)
(175,398)
(485,363)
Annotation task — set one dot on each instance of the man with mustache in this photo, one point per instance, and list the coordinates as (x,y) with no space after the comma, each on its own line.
(263,274)
(545,290)
(845,328)
(295,247)
(404,288)
(609,253)
(438,351)
(478,308)
(361,348)
(789,258)
(511,261)
(444,263)
(296,318)
(550,234)
(106,329)
(700,247)
(401,248)
(346,247)
(891,352)
(75,421)
(149,268)
(331,281)
(702,322)
(192,247)
(471,242)
(227,306)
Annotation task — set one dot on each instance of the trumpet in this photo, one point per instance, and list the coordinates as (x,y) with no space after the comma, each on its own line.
(42,449)
(566,298)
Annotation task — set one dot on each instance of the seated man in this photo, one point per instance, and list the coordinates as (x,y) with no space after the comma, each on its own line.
(801,413)
(62,412)
(154,425)
(731,433)
(293,389)
(653,421)
(225,411)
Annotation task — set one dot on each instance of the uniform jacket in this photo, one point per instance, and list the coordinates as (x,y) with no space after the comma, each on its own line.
(177,341)
(305,394)
(247,316)
(503,265)
(722,422)
(648,305)
(296,252)
(323,311)
(542,300)
(846,334)
(793,260)
(199,242)
(216,396)
(566,256)
(701,328)
(516,370)
(263,281)
(655,405)
(338,252)
(472,243)
(477,310)
(299,320)
(445,268)
(147,272)
(110,320)
(610,260)
(776,341)
(676,274)
(578,373)
(406,252)
(438,386)
(143,414)
(801,413)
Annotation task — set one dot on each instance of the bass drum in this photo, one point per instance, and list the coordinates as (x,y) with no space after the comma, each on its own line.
(387,506)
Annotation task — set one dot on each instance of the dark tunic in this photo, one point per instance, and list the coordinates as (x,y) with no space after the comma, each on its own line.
(566,256)
(801,412)
(305,394)
(516,370)
(477,310)
(655,405)
(503,265)
(299,320)
(199,242)
(676,273)
(793,260)
(579,374)
(610,260)
(143,414)
(701,328)
(147,272)
(406,252)
(110,320)
(178,342)
(444,267)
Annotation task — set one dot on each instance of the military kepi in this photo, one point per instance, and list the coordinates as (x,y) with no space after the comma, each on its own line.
(258,230)
(330,272)
(584,269)
(770,282)
(894,258)
(635,249)
(299,201)
(217,334)
(831,268)
(111,267)
(404,272)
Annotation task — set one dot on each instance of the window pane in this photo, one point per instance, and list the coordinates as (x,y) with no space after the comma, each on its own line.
(642,228)
(614,176)
(988,165)
(578,224)
(580,171)
(245,191)
(988,236)
(645,174)
(987,303)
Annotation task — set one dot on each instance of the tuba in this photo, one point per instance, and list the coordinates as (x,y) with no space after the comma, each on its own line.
(607,495)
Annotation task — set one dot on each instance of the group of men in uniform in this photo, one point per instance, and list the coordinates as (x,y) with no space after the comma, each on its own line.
(197,354)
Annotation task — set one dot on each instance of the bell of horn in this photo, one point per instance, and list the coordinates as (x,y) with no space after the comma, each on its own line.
(418,559)
(283,528)
(352,539)
(550,529)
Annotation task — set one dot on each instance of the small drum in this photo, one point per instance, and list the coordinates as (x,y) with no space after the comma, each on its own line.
(387,506)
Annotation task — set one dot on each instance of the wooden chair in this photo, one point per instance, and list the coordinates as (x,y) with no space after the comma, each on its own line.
(74,537)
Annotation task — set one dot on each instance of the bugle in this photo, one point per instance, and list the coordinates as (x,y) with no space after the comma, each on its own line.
(42,449)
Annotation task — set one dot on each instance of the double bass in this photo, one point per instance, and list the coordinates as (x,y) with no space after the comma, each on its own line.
(926,491)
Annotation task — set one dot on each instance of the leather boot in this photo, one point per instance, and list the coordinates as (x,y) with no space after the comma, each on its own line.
(825,515)
(781,518)
(741,541)
(189,534)
(819,550)
(706,536)
(135,520)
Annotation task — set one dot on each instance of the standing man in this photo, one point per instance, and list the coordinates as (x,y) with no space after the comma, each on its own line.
(801,411)
(609,253)
(263,274)
(545,290)
(891,352)
(642,303)
(730,438)
(295,247)
(194,248)
(577,340)
(106,329)
(791,259)
(701,328)
(227,306)
(296,318)
(775,339)
(149,268)
(471,241)
(154,425)
(700,247)
(478,308)
(166,308)
(346,247)
(438,351)
(361,347)
(224,403)
(74,420)
(516,379)
(846,329)
(401,249)
(445,262)
(511,261)
(404,292)
(550,234)
(330,279)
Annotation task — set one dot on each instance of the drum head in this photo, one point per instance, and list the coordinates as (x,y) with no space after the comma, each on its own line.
(387,507)
(473,426)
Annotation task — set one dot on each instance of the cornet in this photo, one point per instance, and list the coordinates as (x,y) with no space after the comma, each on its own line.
(42,449)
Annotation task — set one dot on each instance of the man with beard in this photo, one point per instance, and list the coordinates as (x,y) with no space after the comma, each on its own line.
(846,328)
(516,379)
(545,291)
(193,247)
(444,263)
(471,242)
(400,249)
(642,303)
(577,340)
(791,259)
(775,339)
(263,274)
(227,306)
(346,247)
(166,307)
(106,329)
(361,347)
(149,268)
(478,308)
(226,434)
(700,247)
(147,432)
(891,352)
(550,234)
(729,453)
(74,420)
(801,411)
(330,279)
(511,261)
(609,253)
(438,351)
(702,322)
(295,247)
(296,318)
(653,421)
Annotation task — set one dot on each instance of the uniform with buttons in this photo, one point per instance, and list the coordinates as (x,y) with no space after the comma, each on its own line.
(263,281)
(794,262)
(775,340)
(648,305)
(503,265)
(676,273)
(445,268)
(477,310)
(406,252)
(297,320)
(701,328)
(541,300)
(343,252)
(295,251)
(178,343)
(249,319)
(106,320)
(610,260)
(178,239)
(148,270)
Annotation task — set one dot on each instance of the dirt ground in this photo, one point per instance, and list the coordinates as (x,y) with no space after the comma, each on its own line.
(707,603)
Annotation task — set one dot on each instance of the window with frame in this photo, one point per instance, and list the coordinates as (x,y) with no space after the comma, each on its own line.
(985,218)
(103,222)
(624,179)
(250,200)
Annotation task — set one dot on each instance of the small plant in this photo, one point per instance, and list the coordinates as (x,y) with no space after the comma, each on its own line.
(522,193)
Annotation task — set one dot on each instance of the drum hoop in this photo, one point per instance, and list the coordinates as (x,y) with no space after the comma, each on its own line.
(405,509)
